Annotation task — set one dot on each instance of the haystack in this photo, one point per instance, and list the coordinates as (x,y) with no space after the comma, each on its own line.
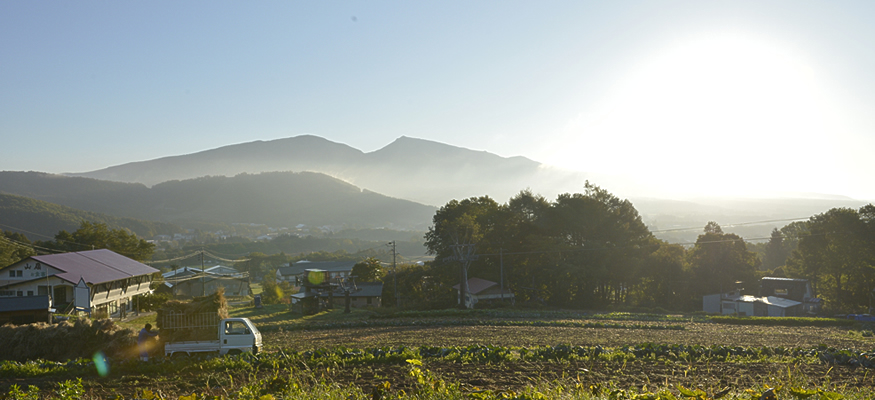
(65,341)
(197,319)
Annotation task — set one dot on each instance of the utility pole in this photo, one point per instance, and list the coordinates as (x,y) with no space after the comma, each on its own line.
(501,269)
(394,274)
(203,275)
(464,253)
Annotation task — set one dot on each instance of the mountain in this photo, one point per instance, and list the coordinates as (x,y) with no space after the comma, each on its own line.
(415,169)
(41,220)
(276,199)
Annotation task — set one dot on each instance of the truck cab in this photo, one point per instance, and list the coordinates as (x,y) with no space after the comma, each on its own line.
(239,334)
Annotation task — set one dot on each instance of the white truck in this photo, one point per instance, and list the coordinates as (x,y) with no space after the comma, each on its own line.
(235,336)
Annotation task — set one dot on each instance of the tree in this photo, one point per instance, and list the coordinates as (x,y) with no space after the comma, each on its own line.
(776,251)
(584,249)
(718,261)
(665,281)
(368,270)
(836,255)
(14,247)
(460,224)
(91,236)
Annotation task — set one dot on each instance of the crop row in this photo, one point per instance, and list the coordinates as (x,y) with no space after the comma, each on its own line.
(475,354)
(486,354)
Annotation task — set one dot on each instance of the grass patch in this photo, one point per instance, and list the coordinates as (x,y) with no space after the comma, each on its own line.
(785,321)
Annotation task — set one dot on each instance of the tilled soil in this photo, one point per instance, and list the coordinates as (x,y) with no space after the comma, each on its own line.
(516,375)
(693,334)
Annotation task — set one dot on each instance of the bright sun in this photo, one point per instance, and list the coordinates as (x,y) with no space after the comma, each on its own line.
(720,115)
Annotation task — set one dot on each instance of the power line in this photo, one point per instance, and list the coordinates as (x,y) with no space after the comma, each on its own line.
(737,224)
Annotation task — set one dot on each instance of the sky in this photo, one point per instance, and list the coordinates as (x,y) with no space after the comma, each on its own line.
(723,98)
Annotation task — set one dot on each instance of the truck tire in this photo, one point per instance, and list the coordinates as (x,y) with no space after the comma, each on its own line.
(234,352)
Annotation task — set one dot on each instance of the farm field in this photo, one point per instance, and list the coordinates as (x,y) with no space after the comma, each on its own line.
(491,353)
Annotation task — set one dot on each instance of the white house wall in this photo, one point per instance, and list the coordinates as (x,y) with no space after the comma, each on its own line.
(24,271)
(33,286)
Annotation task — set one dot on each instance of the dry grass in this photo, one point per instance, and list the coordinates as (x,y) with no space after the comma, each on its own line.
(60,342)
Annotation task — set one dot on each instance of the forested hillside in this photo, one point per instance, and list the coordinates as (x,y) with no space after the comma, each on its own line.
(276,199)
(41,220)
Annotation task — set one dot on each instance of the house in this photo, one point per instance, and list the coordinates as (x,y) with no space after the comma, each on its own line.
(333,270)
(767,306)
(92,281)
(778,297)
(483,290)
(319,293)
(192,281)
(362,294)
(25,310)
(205,284)
(791,289)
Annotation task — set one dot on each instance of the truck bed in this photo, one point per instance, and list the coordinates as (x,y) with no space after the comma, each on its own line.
(192,346)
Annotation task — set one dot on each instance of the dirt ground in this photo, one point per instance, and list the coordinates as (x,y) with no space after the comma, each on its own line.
(647,375)
(694,333)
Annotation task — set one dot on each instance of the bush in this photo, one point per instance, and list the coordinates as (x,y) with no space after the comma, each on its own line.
(152,301)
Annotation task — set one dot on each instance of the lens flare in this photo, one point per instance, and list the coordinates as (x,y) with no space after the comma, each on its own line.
(101,364)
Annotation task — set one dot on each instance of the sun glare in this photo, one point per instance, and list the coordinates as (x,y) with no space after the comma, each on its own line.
(719,115)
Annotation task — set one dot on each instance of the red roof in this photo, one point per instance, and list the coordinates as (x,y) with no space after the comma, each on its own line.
(95,266)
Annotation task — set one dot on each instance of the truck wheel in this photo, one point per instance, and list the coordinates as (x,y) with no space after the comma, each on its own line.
(234,352)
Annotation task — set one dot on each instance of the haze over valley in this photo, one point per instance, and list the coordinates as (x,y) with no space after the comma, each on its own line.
(308,180)
(372,116)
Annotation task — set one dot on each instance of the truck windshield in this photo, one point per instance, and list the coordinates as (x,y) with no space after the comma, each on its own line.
(236,328)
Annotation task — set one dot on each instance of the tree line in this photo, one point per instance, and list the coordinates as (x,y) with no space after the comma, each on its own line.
(581,250)
(592,250)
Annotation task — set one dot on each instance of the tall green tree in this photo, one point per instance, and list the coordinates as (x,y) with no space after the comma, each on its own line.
(776,251)
(665,282)
(14,247)
(368,270)
(836,255)
(719,260)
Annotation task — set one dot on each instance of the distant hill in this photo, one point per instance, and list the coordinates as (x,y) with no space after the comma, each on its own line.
(41,220)
(276,199)
(415,169)
(750,218)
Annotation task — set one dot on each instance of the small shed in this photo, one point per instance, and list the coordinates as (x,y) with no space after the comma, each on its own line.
(25,310)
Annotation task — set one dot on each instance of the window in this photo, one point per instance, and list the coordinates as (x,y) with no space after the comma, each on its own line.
(11,273)
(19,273)
(7,293)
(20,294)
(236,328)
(30,292)
(370,300)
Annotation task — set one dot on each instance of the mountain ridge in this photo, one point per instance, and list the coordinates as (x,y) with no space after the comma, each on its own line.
(416,169)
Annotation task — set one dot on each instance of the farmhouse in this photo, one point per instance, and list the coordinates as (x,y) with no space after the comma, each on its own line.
(778,297)
(483,290)
(93,281)
(332,269)
(192,281)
